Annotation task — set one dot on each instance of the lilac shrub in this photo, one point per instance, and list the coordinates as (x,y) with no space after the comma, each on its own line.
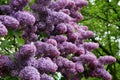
(54,41)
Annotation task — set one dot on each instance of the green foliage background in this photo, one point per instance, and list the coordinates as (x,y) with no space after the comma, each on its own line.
(101,16)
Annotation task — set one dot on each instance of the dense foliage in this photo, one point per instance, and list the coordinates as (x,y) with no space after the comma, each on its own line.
(102,17)
(47,39)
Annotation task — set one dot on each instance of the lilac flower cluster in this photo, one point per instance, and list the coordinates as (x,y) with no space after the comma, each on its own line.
(62,50)
(13,16)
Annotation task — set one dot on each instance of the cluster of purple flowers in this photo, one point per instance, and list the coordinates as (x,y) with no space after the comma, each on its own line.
(54,42)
